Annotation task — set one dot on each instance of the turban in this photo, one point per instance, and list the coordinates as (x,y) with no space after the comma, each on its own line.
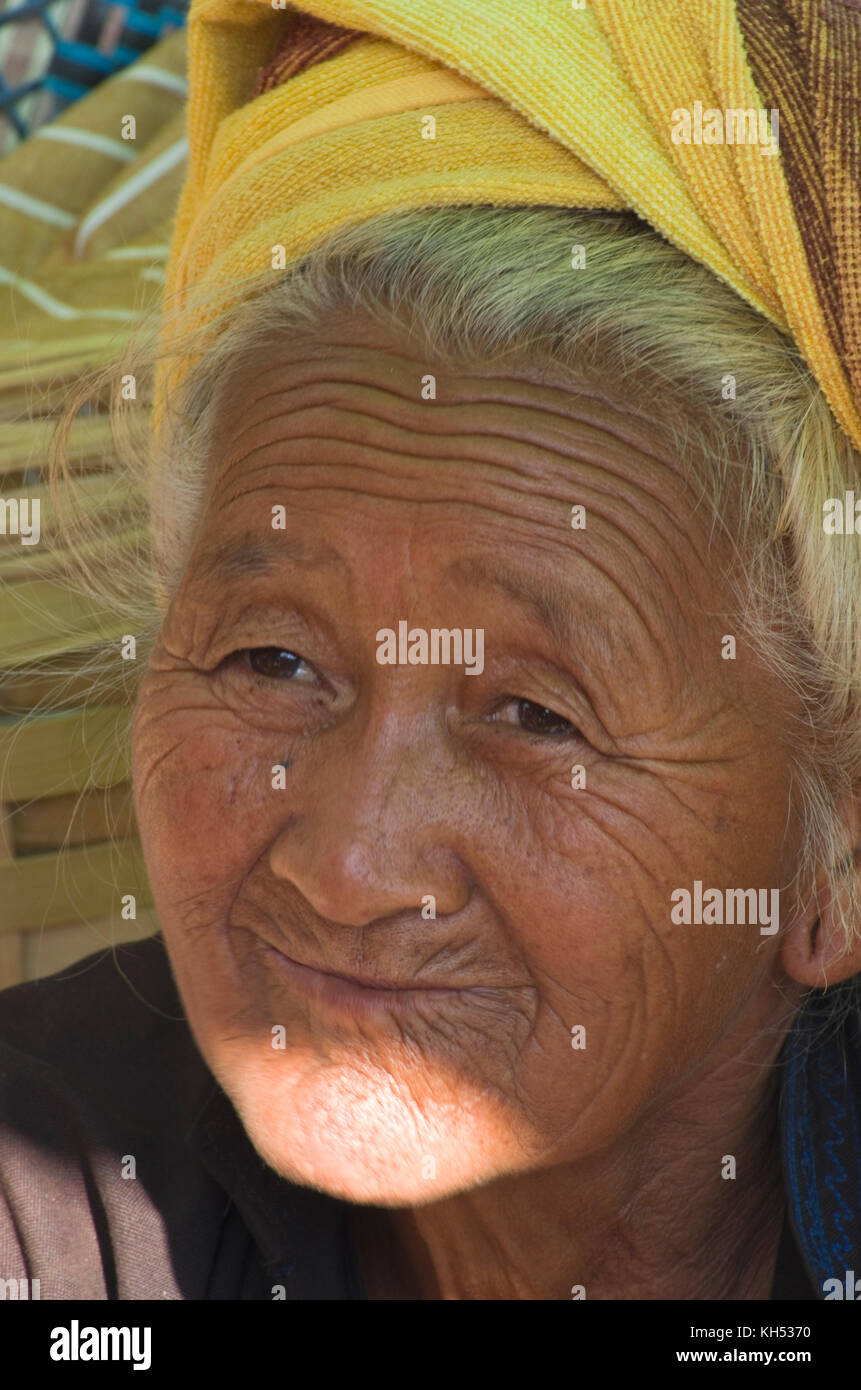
(307,118)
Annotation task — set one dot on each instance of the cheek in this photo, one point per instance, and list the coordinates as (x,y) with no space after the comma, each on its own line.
(645,997)
(204,801)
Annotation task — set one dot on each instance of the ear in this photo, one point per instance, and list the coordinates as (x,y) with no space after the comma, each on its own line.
(814,950)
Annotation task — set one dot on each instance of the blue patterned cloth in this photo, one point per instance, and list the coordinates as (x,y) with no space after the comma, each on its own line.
(54,51)
(821,1137)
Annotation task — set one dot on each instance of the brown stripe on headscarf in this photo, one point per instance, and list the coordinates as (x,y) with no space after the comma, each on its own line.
(306,42)
(805,56)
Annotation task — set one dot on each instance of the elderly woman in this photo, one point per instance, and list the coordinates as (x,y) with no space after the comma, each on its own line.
(496,753)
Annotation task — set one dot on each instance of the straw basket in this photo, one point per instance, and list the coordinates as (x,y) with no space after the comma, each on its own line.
(85,221)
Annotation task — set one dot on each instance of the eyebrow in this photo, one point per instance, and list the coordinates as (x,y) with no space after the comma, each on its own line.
(572,623)
(251,556)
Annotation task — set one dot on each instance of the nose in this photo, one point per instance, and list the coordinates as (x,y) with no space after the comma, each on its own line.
(374,823)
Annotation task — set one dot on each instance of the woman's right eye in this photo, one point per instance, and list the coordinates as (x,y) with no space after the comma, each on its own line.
(272,663)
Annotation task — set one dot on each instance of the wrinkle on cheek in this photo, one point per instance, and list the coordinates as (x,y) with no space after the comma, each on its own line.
(644,1033)
(199,803)
(202,913)
(619,878)
(663,961)
(619,851)
(143,782)
(192,732)
(669,828)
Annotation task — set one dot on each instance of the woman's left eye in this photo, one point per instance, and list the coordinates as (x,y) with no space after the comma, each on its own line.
(538,719)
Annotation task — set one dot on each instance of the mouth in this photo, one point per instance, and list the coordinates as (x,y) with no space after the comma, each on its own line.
(355,996)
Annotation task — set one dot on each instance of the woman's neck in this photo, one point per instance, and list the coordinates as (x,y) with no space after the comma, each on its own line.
(667,1215)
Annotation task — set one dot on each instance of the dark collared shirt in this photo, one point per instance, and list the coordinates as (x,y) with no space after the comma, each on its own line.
(126,1173)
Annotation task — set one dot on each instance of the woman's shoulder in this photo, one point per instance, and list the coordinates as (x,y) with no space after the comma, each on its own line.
(124,1169)
(98,1077)
(109,1030)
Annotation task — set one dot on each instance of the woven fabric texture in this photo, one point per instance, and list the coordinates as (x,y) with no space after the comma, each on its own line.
(539,102)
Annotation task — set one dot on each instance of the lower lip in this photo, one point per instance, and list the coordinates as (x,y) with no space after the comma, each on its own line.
(358,1001)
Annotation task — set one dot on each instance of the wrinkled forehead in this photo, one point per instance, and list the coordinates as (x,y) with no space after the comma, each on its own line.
(358,460)
(330,449)
(356,387)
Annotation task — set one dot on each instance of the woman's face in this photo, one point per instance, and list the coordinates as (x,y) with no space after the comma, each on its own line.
(427,830)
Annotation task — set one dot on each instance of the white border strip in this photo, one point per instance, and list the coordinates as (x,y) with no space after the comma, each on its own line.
(137,253)
(155,77)
(144,178)
(34,207)
(71,135)
(55,307)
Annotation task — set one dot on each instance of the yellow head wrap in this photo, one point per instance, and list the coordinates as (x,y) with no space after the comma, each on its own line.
(613,104)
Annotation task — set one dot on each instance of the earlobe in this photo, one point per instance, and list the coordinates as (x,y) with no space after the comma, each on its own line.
(814,950)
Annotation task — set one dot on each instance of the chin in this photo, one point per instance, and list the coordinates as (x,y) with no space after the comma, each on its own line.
(362,1135)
